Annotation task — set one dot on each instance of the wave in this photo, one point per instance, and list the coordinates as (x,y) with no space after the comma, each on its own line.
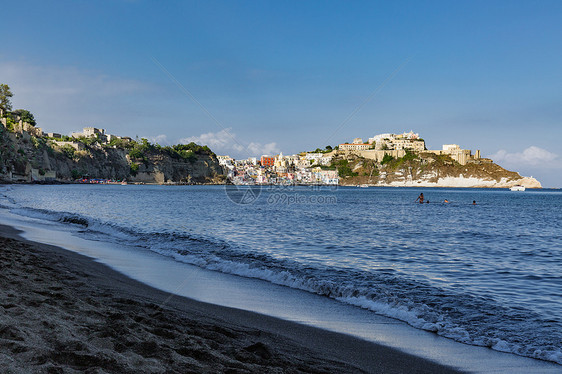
(461,317)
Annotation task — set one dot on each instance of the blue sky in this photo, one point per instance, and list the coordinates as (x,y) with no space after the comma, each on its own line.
(270,76)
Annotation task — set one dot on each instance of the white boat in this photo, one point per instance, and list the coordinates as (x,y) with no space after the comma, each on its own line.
(517,188)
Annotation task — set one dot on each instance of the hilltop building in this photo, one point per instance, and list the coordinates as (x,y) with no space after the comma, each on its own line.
(408,140)
(396,146)
(91,132)
(355,147)
(462,156)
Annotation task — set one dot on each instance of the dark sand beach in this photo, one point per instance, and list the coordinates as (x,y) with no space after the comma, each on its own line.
(61,312)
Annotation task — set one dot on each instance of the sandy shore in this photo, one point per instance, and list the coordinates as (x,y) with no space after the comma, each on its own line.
(61,312)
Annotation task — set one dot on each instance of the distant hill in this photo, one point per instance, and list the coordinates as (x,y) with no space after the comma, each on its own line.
(424,170)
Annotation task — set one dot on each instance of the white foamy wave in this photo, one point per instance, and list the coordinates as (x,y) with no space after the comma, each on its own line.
(414,315)
(97,229)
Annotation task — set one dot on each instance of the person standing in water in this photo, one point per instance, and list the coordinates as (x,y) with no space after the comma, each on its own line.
(420,198)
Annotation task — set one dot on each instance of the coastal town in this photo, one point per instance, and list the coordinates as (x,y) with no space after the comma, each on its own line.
(318,167)
(94,155)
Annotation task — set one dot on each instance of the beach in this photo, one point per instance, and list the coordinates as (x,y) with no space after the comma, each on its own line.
(64,312)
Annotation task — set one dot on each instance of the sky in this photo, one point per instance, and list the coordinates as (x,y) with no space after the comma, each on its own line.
(260,77)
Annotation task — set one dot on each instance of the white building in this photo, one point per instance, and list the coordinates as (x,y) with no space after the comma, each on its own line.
(451,147)
(380,137)
(355,147)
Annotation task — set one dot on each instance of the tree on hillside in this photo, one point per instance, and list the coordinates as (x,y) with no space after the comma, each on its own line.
(26,116)
(5,95)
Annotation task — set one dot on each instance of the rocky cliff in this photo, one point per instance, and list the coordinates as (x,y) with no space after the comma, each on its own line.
(426,170)
(27,156)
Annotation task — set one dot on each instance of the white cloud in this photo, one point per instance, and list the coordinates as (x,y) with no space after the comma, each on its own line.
(226,142)
(531,156)
(160,139)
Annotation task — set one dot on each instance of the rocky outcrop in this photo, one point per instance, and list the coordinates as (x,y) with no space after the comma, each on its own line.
(25,157)
(467,182)
(161,168)
(426,170)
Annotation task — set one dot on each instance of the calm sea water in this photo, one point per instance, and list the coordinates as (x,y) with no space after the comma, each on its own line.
(488,274)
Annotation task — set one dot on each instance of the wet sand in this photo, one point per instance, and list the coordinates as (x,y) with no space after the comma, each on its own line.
(61,312)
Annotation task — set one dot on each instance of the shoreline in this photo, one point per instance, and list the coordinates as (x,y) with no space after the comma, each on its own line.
(369,185)
(64,310)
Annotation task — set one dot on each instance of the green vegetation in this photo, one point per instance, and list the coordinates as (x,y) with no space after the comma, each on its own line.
(140,151)
(10,124)
(75,174)
(63,138)
(386,159)
(25,116)
(328,149)
(393,163)
(120,143)
(68,151)
(35,142)
(188,151)
(343,169)
(88,141)
(5,95)
(409,156)
(134,169)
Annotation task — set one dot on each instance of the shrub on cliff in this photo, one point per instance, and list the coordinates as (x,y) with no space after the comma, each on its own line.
(386,159)
(26,116)
(343,169)
(5,95)
(141,150)
(195,148)
(68,151)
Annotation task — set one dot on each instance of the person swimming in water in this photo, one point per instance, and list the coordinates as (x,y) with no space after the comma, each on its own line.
(446,201)
(420,198)
(473,202)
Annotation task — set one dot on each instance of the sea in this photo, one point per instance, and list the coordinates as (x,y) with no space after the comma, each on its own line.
(484,269)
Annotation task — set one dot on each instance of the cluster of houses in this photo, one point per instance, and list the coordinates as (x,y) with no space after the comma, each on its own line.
(307,168)
(280,169)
